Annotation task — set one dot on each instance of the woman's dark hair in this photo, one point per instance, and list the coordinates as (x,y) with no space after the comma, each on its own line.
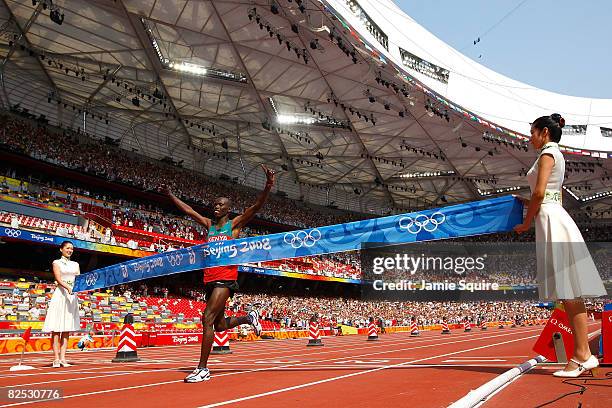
(554,123)
(63,244)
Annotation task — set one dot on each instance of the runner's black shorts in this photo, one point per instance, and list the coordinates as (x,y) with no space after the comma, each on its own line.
(232,285)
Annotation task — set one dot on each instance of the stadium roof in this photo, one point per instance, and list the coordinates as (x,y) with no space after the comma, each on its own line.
(221,86)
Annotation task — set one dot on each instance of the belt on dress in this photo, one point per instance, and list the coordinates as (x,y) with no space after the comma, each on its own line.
(552,196)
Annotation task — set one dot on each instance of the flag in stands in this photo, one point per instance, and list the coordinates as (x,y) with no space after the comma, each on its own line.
(27,334)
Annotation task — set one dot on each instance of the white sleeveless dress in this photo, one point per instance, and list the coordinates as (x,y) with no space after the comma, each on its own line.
(63,309)
(564,264)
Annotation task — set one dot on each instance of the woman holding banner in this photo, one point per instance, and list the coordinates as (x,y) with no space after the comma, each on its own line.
(63,311)
(565,269)
(221,283)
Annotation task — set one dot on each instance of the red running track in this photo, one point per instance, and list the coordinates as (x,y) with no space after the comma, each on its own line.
(432,370)
(538,388)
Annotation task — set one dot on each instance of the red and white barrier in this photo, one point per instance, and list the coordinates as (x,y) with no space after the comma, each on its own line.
(221,343)
(467,326)
(606,334)
(445,329)
(483,325)
(556,342)
(314,335)
(372,332)
(414,330)
(127,349)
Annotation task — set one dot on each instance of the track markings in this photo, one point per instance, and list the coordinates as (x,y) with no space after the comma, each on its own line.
(425,342)
(475,360)
(363,361)
(340,377)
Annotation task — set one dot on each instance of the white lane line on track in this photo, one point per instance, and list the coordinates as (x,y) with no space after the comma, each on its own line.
(188,356)
(300,348)
(72,353)
(420,345)
(468,357)
(475,360)
(296,387)
(260,345)
(488,398)
(281,367)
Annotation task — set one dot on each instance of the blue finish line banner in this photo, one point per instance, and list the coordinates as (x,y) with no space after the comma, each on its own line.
(481,217)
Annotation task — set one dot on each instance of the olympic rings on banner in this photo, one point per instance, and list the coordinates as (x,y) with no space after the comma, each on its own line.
(12,232)
(302,238)
(192,256)
(91,278)
(175,258)
(422,222)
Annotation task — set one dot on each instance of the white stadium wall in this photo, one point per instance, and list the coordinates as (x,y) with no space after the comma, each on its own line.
(495,97)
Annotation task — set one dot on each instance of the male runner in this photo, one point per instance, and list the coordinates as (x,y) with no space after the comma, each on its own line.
(220,283)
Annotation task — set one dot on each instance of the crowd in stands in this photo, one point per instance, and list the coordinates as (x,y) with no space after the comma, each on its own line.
(26,301)
(58,228)
(117,165)
(29,303)
(296,312)
(149,218)
(512,269)
(120,166)
(340,265)
(158,223)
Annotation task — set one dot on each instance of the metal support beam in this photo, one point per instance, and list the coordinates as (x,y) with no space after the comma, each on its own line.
(22,36)
(156,66)
(102,85)
(256,94)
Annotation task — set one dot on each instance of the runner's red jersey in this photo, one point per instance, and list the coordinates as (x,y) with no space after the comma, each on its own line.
(221,272)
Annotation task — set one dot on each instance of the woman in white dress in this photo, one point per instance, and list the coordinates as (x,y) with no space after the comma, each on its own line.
(63,311)
(565,269)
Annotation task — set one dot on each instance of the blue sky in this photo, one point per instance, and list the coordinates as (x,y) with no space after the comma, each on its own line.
(561,46)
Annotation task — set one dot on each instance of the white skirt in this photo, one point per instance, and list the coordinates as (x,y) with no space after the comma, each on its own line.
(62,313)
(565,268)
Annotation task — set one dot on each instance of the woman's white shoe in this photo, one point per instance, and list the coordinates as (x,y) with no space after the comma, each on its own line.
(591,363)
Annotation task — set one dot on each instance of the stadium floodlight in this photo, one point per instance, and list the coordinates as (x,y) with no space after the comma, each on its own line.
(188,68)
(499,190)
(425,174)
(597,196)
(571,193)
(293,120)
